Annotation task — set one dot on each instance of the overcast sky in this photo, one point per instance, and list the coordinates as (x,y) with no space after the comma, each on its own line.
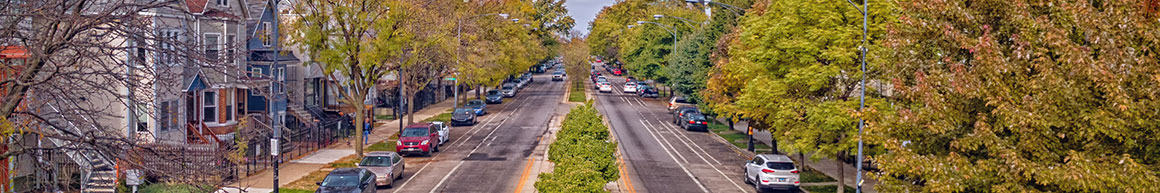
(583,11)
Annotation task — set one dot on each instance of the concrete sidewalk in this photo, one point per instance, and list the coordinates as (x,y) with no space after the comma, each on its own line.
(293,170)
(824,165)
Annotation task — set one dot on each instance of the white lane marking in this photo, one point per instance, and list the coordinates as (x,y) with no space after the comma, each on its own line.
(664,140)
(640,101)
(445,177)
(682,165)
(698,147)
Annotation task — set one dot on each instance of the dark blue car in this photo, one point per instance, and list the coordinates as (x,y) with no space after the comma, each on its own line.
(478,106)
(348,180)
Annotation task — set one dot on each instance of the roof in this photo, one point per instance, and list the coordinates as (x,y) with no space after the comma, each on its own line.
(419,125)
(776,158)
(221,14)
(269,56)
(346,171)
(13,52)
(196,6)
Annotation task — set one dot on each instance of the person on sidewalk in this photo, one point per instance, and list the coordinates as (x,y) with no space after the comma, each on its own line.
(366,131)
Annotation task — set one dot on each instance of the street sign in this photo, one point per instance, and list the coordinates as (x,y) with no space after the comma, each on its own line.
(274,147)
(133,177)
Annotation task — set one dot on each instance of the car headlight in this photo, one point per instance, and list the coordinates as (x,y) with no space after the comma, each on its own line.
(424,142)
(398,143)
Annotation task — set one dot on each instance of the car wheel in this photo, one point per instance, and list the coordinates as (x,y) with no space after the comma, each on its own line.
(401,170)
(747,181)
(757,186)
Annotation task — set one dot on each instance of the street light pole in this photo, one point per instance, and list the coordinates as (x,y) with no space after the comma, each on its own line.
(274,143)
(862,97)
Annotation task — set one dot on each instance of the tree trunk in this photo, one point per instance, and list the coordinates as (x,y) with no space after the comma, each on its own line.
(841,172)
(478,91)
(359,116)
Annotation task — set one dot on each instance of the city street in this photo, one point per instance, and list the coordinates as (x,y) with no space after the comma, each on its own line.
(662,157)
(493,155)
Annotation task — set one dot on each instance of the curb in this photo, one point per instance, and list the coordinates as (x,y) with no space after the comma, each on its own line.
(738,150)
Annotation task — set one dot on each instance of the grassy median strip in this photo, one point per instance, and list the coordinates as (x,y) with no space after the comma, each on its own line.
(583,154)
(444,117)
(577,94)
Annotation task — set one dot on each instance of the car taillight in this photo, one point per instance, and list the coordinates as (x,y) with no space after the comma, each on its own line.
(795,171)
(692,122)
(766,171)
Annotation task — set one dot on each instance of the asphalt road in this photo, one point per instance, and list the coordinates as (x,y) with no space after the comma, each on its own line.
(492,155)
(662,157)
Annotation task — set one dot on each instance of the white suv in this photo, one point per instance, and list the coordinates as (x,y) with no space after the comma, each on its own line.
(771,171)
(630,87)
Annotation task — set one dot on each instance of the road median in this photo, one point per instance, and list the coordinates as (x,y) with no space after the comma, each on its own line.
(583,154)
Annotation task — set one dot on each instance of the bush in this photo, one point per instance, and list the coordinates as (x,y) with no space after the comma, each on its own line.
(584,156)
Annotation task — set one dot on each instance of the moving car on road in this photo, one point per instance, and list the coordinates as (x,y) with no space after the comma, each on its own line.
(347,180)
(477,106)
(463,116)
(508,89)
(419,138)
(387,167)
(604,86)
(693,121)
(771,171)
(494,97)
(558,76)
(630,87)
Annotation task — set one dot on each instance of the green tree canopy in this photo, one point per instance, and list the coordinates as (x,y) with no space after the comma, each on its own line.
(1023,96)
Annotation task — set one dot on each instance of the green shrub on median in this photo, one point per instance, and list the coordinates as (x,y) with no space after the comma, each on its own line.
(583,153)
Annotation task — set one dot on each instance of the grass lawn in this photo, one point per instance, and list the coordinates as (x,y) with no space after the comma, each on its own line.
(809,175)
(577,94)
(445,117)
(308,182)
(283,190)
(825,189)
(344,162)
(388,145)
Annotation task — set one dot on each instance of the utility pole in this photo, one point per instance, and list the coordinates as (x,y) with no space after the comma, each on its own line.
(862,103)
(274,119)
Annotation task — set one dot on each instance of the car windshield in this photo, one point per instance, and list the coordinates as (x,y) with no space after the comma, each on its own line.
(506,87)
(492,92)
(780,165)
(375,161)
(475,103)
(629,84)
(340,181)
(463,111)
(415,132)
(697,117)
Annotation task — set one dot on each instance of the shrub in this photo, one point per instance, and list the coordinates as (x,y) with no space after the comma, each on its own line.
(583,153)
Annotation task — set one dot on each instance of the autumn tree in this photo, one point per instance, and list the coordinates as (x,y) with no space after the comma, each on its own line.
(358,41)
(798,61)
(1022,96)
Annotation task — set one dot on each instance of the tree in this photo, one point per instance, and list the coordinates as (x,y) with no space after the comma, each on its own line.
(358,41)
(429,54)
(1022,96)
(798,62)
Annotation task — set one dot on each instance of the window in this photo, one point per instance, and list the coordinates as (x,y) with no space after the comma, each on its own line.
(209,107)
(230,48)
(212,46)
(223,3)
(780,165)
(268,34)
(255,72)
(141,116)
(229,104)
(167,40)
(165,118)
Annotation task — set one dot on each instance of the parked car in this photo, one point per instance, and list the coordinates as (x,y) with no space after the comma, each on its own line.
(494,97)
(520,82)
(771,171)
(629,87)
(347,180)
(646,91)
(463,116)
(387,167)
(681,111)
(679,101)
(418,138)
(508,89)
(558,76)
(617,72)
(529,78)
(443,130)
(693,121)
(477,106)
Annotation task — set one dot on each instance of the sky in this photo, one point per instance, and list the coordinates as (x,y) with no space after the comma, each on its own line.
(584,11)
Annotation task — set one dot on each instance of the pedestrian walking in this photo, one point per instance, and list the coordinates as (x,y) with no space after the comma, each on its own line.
(366,131)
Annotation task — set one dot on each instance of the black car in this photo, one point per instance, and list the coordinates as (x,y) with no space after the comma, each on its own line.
(494,97)
(648,92)
(693,121)
(463,116)
(681,111)
(348,180)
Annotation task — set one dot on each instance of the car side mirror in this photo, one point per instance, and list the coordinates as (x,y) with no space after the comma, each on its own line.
(318,183)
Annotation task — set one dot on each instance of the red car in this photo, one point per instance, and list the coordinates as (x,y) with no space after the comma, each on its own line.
(616,72)
(418,138)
